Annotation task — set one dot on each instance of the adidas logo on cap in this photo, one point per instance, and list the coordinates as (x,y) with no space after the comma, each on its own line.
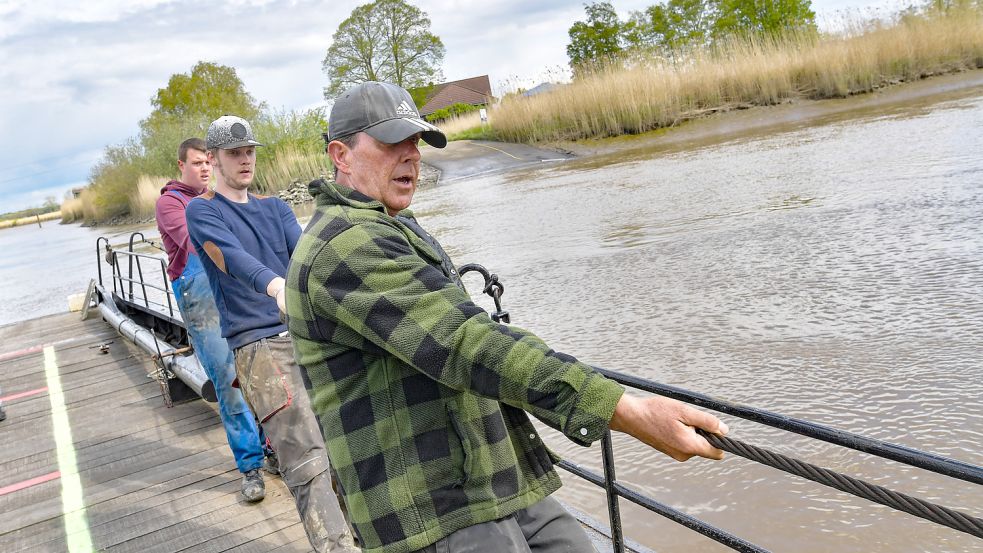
(405,109)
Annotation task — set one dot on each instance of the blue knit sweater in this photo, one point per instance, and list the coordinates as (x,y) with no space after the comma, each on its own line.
(243,247)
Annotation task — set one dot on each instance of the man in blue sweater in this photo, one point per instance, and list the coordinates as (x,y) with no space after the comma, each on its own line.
(244,242)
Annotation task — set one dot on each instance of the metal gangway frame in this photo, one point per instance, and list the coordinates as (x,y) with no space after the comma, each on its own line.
(151,322)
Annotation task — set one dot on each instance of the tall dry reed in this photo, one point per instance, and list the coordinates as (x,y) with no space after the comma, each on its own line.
(143,200)
(292,164)
(455,126)
(82,208)
(72,210)
(654,92)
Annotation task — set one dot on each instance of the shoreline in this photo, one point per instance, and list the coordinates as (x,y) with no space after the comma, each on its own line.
(295,195)
(464,159)
(30,220)
(713,128)
(725,125)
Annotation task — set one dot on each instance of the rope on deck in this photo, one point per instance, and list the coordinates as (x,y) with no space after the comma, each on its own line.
(872,492)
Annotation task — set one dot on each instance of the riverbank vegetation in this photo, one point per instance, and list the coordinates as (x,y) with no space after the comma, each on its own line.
(35,219)
(49,206)
(643,90)
(126,183)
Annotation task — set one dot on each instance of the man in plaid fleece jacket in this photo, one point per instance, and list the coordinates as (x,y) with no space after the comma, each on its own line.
(422,398)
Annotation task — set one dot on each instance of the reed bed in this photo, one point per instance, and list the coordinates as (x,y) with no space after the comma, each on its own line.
(143,199)
(462,127)
(291,164)
(140,202)
(650,92)
(82,208)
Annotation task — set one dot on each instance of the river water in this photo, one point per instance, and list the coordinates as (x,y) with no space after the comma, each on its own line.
(830,271)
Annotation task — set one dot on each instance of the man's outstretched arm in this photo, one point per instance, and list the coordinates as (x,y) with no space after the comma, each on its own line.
(668,425)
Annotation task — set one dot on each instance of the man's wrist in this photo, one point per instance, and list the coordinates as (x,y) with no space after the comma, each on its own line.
(275,287)
(624,416)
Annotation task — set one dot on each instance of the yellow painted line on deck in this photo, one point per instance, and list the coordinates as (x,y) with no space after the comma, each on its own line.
(72,502)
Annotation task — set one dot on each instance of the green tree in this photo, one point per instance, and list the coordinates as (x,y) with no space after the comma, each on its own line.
(421,93)
(597,38)
(387,40)
(186,106)
(765,17)
(674,25)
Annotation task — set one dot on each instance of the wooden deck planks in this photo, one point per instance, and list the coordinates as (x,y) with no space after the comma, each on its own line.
(153,478)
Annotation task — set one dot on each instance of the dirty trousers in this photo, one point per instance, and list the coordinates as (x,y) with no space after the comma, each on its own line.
(270,381)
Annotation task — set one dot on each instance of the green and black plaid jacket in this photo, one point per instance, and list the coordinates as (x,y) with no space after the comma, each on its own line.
(421,396)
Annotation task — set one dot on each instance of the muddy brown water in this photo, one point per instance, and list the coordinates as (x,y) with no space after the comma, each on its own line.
(829,270)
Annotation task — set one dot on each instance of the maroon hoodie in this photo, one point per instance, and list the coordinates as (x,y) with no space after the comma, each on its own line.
(173,225)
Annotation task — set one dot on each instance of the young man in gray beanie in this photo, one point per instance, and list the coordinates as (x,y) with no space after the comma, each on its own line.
(421,396)
(244,242)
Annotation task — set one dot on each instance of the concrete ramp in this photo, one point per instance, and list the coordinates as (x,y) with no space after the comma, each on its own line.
(468,158)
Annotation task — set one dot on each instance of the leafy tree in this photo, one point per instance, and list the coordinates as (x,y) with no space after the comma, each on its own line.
(765,17)
(597,38)
(673,25)
(186,106)
(209,90)
(387,40)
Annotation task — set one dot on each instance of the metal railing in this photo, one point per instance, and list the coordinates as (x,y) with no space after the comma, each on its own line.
(909,456)
(124,286)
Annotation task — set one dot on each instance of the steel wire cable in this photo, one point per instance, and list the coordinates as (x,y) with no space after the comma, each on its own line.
(872,492)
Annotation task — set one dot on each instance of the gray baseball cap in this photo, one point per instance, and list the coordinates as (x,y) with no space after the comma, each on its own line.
(384,111)
(229,132)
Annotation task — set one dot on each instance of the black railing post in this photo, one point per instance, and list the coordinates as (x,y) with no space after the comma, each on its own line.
(614,510)
(117,273)
(167,289)
(99,256)
(143,285)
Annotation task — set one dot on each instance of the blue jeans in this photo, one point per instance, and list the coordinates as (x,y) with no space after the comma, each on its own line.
(197,305)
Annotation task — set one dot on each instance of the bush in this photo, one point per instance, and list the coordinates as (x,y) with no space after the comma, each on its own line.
(293,151)
(127,180)
(453,110)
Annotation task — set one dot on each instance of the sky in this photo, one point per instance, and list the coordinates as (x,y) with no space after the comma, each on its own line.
(78,76)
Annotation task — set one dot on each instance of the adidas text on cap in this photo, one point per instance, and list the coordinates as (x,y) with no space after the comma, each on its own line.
(229,132)
(383,111)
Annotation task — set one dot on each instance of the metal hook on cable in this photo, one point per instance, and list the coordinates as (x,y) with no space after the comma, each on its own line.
(493,288)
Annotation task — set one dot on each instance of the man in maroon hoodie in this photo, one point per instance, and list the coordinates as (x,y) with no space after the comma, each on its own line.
(197,305)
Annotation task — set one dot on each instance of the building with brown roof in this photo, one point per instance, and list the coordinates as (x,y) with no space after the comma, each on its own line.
(475,91)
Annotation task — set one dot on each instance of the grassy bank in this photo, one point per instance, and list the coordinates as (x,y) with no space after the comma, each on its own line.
(32,220)
(651,92)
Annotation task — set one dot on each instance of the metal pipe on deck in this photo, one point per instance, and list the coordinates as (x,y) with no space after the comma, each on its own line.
(187,368)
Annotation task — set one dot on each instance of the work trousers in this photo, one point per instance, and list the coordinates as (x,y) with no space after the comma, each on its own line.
(545,527)
(197,305)
(270,380)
